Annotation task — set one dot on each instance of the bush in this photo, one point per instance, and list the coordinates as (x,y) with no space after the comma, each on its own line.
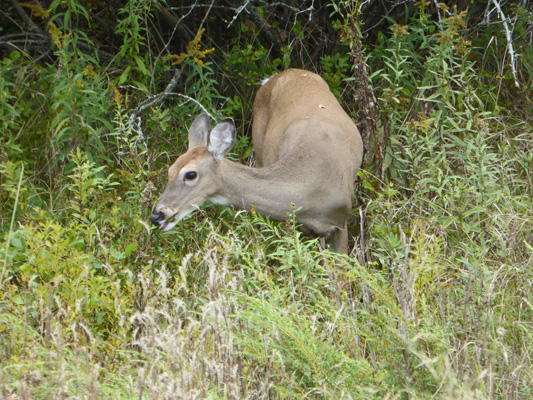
(433,301)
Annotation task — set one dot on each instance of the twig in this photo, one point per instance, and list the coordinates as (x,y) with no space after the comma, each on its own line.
(172,20)
(158,98)
(177,27)
(8,241)
(293,9)
(361,257)
(438,11)
(135,121)
(195,102)
(384,17)
(310,9)
(238,12)
(25,17)
(27,42)
(269,34)
(25,35)
(205,16)
(508,34)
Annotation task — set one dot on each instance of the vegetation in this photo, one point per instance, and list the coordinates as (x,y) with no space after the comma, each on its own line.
(434,301)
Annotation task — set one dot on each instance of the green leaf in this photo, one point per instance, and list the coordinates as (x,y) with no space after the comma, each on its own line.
(142,67)
(129,248)
(124,76)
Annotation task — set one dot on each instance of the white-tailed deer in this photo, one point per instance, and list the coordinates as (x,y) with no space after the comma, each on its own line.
(307,150)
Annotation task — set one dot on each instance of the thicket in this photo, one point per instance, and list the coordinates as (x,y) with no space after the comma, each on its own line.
(434,301)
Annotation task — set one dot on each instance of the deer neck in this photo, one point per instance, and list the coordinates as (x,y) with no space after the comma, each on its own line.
(267,190)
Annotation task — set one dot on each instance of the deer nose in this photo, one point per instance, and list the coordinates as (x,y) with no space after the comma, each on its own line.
(157,217)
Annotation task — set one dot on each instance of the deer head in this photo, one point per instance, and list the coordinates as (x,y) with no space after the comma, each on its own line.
(192,179)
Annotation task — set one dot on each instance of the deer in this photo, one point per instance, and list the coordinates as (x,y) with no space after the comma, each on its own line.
(308,152)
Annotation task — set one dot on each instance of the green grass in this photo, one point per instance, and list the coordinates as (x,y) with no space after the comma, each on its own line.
(433,301)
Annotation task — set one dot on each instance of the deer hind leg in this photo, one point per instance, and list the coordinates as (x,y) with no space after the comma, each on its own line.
(338,239)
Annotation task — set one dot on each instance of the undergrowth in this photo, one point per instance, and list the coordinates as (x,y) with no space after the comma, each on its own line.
(432,303)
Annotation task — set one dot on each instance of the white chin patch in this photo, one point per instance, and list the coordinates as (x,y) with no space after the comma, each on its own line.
(170,223)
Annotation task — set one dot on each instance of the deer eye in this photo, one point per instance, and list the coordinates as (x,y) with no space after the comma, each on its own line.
(189,176)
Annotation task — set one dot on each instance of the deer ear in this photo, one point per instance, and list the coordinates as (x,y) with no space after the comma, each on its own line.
(199,131)
(222,138)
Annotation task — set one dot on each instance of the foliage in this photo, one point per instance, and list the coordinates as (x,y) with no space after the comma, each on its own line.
(132,26)
(434,299)
(454,196)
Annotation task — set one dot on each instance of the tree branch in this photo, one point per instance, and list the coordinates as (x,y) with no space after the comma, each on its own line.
(509,37)
(25,17)
(158,98)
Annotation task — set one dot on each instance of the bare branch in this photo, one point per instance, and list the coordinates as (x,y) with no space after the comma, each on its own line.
(438,11)
(25,17)
(134,119)
(171,20)
(195,102)
(309,9)
(205,16)
(509,37)
(238,12)
(158,98)
(265,30)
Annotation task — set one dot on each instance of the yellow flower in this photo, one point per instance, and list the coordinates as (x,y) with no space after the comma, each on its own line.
(193,50)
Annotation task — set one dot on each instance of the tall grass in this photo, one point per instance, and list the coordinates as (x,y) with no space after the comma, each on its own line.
(432,303)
